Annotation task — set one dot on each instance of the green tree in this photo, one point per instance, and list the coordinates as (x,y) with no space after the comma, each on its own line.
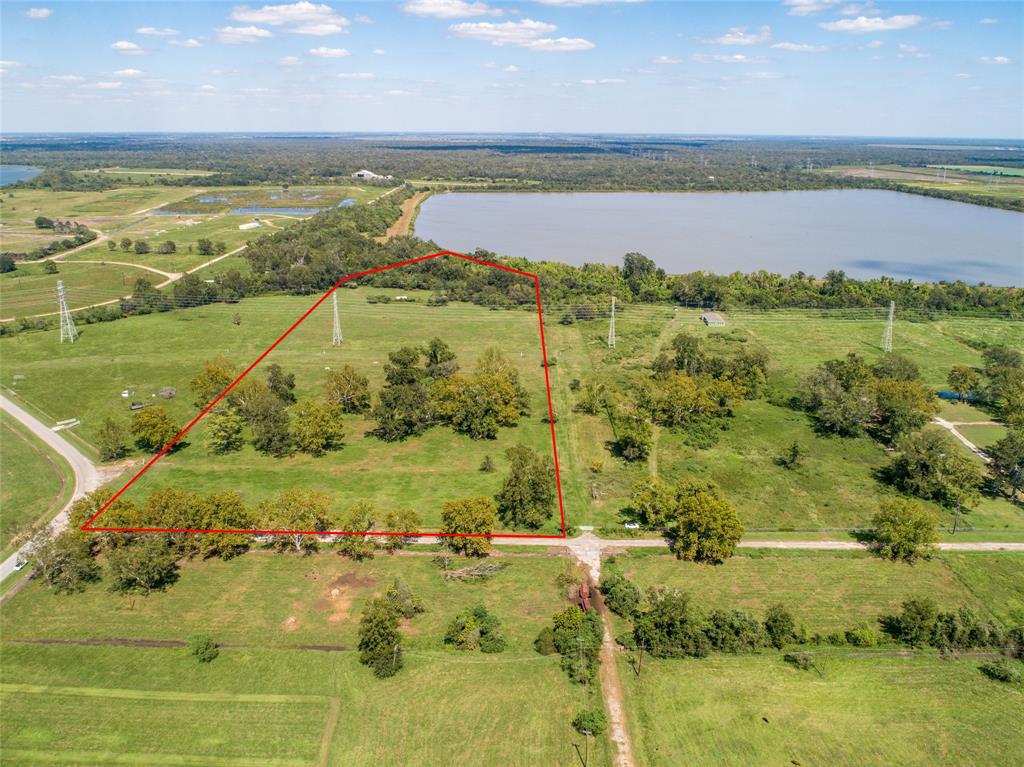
(634,437)
(216,375)
(7,263)
(963,380)
(577,636)
(358,521)
(63,561)
(1007,465)
(281,384)
(126,244)
(915,624)
(400,521)
(440,359)
(590,721)
(270,428)
(901,407)
(42,222)
(224,431)
(316,426)
(348,390)
(141,247)
(475,517)
(403,410)
(793,456)
(204,247)
(203,648)
(223,510)
(930,465)
(50,267)
(153,428)
(298,510)
(904,529)
(780,626)
(380,643)
(700,523)
(167,247)
(476,629)
(527,497)
(143,566)
(110,440)
(671,626)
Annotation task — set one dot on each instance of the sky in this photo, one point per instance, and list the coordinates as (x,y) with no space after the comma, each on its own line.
(804,67)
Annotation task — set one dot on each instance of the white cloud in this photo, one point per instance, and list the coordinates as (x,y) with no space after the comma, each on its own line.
(995,60)
(736,58)
(962,76)
(874,44)
(942,24)
(859,9)
(808,7)
(666,60)
(328,53)
(129,73)
(379,51)
(207,88)
(66,78)
(988,20)
(864,24)
(289,61)
(526,34)
(127,48)
(237,35)
(399,93)
(603,81)
(104,86)
(356,76)
(577,3)
(799,47)
(740,36)
(304,18)
(449,9)
(765,75)
(189,43)
(560,45)
(510,68)
(154,32)
(39,13)
(361,19)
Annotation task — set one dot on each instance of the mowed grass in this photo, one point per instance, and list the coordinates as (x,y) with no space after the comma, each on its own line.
(869,710)
(444,707)
(832,591)
(144,354)
(218,199)
(34,482)
(29,290)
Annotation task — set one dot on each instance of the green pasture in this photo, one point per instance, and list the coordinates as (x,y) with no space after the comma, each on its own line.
(221,199)
(144,354)
(35,482)
(833,591)
(289,628)
(1000,170)
(865,710)
(30,290)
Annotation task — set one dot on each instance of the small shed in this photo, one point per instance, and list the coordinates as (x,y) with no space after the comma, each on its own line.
(713,319)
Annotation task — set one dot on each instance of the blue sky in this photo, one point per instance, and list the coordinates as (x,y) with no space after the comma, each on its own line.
(822,67)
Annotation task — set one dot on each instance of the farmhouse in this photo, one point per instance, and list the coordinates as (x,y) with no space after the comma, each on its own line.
(713,319)
(369,175)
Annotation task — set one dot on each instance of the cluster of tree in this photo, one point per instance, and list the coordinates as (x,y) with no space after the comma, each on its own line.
(527,496)
(61,180)
(476,628)
(922,624)
(575,635)
(142,247)
(850,397)
(698,520)
(380,641)
(79,235)
(932,466)
(424,387)
(57,225)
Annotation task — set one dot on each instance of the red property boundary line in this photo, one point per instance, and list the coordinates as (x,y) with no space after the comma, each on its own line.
(551,420)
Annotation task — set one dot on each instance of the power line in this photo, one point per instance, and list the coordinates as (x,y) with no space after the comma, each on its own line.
(68,331)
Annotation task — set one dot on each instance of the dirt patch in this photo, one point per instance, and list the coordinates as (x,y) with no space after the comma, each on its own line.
(112,642)
(336,599)
(321,647)
(290,623)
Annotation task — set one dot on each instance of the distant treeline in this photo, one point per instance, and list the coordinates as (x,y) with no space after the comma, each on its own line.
(597,163)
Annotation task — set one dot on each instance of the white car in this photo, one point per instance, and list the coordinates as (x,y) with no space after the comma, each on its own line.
(20,565)
(631,525)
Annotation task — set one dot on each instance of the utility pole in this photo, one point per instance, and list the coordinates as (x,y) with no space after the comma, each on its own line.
(887,337)
(336,339)
(68,331)
(611,327)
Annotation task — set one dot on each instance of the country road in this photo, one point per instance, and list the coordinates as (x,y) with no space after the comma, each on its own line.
(87,476)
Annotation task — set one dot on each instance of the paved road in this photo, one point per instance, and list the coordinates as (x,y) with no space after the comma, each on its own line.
(87,477)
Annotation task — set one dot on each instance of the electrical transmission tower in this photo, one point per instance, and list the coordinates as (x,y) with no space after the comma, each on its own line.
(68,331)
(611,327)
(336,339)
(887,337)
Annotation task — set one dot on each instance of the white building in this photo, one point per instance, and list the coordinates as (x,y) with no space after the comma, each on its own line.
(369,175)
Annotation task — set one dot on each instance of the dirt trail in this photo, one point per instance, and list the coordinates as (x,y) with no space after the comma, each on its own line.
(404,223)
(955,432)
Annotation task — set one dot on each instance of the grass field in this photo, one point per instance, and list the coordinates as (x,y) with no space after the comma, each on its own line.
(970,179)
(35,483)
(422,472)
(29,290)
(868,710)
(221,199)
(311,706)
(836,591)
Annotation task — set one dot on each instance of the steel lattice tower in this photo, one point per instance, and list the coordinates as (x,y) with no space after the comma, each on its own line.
(68,331)
(611,327)
(336,339)
(887,336)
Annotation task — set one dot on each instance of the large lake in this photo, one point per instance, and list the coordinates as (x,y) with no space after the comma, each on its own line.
(11,173)
(864,232)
